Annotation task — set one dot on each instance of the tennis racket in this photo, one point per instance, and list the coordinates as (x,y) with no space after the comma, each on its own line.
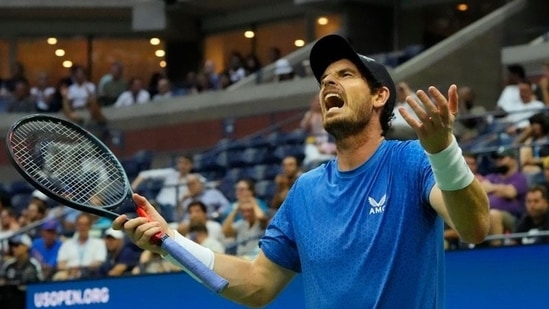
(74,168)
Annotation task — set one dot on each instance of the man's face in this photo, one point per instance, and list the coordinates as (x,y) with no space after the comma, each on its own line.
(536,205)
(184,165)
(196,214)
(289,166)
(345,99)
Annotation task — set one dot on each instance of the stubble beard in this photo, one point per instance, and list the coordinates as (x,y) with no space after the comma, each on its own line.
(345,128)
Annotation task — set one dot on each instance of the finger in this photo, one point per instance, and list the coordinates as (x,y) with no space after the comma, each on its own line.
(453,99)
(430,108)
(412,122)
(441,104)
(118,223)
(142,202)
(418,110)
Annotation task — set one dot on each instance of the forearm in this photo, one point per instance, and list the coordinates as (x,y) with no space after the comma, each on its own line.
(468,212)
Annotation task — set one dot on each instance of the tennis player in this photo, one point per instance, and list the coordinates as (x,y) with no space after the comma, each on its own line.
(365,230)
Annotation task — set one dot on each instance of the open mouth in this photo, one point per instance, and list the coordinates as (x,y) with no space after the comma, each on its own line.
(333,101)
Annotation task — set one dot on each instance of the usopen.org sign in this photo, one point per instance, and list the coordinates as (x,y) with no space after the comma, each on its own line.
(71,297)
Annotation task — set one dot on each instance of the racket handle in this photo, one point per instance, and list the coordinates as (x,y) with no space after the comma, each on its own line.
(196,268)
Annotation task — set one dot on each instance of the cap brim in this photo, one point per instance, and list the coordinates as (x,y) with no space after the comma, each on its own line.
(330,49)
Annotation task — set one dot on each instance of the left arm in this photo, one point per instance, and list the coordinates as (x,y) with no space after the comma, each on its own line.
(458,197)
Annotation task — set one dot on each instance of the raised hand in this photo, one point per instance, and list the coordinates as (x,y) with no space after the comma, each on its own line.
(436,118)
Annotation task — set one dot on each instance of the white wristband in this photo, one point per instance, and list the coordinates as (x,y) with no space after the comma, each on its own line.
(450,169)
(203,254)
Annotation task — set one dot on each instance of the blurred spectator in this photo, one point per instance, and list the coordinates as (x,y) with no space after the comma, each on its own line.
(216,203)
(136,94)
(81,95)
(174,185)
(198,233)
(319,146)
(251,64)
(164,90)
(471,119)
(273,54)
(35,211)
(211,74)
(81,255)
(536,218)
(153,263)
(22,268)
(46,247)
(520,113)
(43,95)
(509,96)
(198,215)
(247,230)
(506,188)
(122,256)
(400,129)
(153,82)
(291,170)
(190,84)
(236,69)
(9,224)
(244,191)
(21,101)
(112,85)
(283,70)
(542,87)
(535,146)
(17,74)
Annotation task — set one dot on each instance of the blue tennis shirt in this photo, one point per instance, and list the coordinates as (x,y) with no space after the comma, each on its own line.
(366,238)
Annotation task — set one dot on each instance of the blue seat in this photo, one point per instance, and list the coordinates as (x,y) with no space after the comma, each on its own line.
(20,201)
(265,189)
(296,137)
(19,187)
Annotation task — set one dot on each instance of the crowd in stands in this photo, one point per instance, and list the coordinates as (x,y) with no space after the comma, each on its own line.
(225,199)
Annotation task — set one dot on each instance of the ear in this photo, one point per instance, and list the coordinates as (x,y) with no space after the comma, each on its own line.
(381,97)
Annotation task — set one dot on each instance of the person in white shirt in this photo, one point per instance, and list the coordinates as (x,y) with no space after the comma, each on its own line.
(43,94)
(81,255)
(136,94)
(518,116)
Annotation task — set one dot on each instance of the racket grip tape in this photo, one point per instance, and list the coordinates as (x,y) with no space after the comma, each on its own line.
(196,268)
(208,277)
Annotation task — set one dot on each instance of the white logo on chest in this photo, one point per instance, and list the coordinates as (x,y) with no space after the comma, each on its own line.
(377,207)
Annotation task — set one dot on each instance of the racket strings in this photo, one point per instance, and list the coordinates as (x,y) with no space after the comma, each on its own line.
(68,163)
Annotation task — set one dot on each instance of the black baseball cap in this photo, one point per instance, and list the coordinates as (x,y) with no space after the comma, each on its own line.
(333,47)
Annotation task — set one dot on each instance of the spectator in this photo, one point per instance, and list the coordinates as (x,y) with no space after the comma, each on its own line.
(400,129)
(22,268)
(18,74)
(245,190)
(122,256)
(43,94)
(112,85)
(506,188)
(9,224)
(199,234)
(247,230)
(211,74)
(164,90)
(251,64)
(236,67)
(522,111)
(319,146)
(535,146)
(21,101)
(81,255)
(542,89)
(35,211)
(283,70)
(290,172)
(80,95)
(46,247)
(536,218)
(198,215)
(216,203)
(135,94)
(509,96)
(472,120)
(174,185)
(153,263)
